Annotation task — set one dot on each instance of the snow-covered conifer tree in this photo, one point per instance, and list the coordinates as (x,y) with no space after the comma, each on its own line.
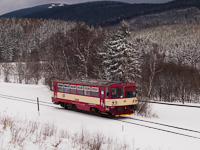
(108,60)
(121,56)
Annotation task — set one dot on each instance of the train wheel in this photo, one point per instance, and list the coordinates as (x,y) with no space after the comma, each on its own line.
(109,115)
(95,111)
(62,104)
(68,106)
(65,105)
(74,107)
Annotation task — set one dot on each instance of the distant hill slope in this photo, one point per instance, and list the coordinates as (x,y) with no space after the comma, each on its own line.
(31,10)
(104,13)
(180,16)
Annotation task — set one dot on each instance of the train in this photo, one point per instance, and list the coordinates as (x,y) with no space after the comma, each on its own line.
(110,98)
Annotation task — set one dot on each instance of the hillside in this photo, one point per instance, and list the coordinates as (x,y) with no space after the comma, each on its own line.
(104,13)
(27,11)
(180,16)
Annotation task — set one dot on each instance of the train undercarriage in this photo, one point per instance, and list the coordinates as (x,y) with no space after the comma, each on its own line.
(114,111)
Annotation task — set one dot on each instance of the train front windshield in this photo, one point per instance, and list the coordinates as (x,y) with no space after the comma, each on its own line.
(117,92)
(120,92)
(130,91)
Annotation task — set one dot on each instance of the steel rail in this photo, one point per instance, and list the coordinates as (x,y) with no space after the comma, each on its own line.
(23,98)
(186,135)
(161,124)
(182,105)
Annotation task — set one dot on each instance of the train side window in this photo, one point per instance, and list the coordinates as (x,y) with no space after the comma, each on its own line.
(60,87)
(80,90)
(107,93)
(95,91)
(66,88)
(73,89)
(87,90)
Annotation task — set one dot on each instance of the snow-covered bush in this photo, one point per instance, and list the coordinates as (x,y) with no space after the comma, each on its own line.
(18,133)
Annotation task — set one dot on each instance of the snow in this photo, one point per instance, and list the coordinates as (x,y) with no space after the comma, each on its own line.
(52,5)
(136,137)
(55,5)
(61,4)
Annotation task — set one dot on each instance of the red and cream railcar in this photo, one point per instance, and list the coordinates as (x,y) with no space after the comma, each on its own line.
(105,97)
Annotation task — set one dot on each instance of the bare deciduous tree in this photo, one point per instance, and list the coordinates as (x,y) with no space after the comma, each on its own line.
(7,71)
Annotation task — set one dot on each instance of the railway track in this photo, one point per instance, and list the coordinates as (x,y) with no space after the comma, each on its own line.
(26,100)
(165,125)
(171,104)
(161,127)
(128,120)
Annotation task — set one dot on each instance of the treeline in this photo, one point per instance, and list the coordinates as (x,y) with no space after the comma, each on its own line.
(163,68)
(173,17)
(48,48)
(18,36)
(170,69)
(176,83)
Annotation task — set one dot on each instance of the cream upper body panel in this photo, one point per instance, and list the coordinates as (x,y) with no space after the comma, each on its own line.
(121,101)
(80,98)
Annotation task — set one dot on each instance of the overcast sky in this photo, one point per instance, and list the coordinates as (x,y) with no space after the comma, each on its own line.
(11,5)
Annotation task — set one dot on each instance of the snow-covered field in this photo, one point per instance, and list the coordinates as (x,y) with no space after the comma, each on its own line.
(135,137)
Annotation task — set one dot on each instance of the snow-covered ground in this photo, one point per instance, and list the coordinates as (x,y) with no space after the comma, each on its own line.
(136,137)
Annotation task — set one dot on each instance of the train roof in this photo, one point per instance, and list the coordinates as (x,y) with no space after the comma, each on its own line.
(88,82)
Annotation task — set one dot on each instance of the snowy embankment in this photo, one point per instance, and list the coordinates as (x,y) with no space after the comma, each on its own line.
(55,123)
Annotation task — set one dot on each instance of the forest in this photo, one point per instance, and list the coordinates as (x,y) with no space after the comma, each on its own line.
(163,60)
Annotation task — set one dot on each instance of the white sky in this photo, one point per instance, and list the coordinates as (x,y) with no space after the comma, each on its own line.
(11,5)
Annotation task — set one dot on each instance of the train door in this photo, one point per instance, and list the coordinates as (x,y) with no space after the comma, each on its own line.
(102,97)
